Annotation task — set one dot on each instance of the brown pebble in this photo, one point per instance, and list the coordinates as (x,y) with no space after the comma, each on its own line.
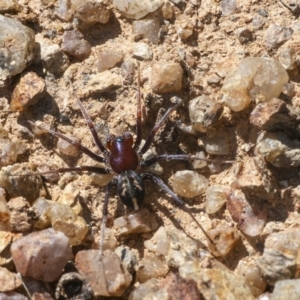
(41,296)
(75,45)
(9,281)
(271,115)
(41,255)
(166,77)
(105,276)
(20,215)
(27,92)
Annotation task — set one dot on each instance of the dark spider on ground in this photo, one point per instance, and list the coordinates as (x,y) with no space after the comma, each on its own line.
(122,157)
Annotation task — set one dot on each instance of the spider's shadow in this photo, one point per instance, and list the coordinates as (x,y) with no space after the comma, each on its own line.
(170,215)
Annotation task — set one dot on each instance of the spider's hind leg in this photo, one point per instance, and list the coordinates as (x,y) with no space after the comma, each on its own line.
(178,200)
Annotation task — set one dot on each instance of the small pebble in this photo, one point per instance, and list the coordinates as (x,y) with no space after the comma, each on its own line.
(151,267)
(213,80)
(127,71)
(20,215)
(216,196)
(136,222)
(142,51)
(9,151)
(75,45)
(199,164)
(97,179)
(287,57)
(176,287)
(280,259)
(106,275)
(107,59)
(184,27)
(225,238)
(6,238)
(256,179)
(128,259)
(276,35)
(272,114)
(228,7)
(29,187)
(12,296)
(4,216)
(27,92)
(42,254)
(54,60)
(136,9)
(41,296)
(248,269)
(159,242)
(91,11)
(102,82)
(217,141)
(166,77)
(64,11)
(9,281)
(167,11)
(252,218)
(144,289)
(279,150)
(147,28)
(174,245)
(182,248)
(188,184)
(286,289)
(110,241)
(216,283)
(66,148)
(10,6)
(70,197)
(258,22)
(204,112)
(244,35)
(64,219)
(40,208)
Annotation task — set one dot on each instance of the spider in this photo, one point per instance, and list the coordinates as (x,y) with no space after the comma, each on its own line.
(122,157)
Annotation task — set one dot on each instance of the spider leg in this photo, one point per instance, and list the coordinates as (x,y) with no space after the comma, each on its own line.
(81,169)
(76,144)
(138,114)
(158,125)
(151,160)
(104,214)
(90,125)
(178,200)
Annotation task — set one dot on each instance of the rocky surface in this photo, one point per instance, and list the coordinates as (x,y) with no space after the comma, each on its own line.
(234,64)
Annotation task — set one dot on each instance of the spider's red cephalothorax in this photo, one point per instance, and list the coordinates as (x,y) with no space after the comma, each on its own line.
(122,156)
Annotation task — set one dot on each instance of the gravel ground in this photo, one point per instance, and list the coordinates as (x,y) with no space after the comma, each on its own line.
(186,50)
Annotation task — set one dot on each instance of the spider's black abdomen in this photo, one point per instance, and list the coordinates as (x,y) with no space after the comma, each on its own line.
(131,189)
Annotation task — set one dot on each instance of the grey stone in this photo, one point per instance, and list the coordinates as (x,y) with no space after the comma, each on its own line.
(276,35)
(16,47)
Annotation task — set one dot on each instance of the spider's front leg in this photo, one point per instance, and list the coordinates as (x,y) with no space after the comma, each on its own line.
(187,157)
(76,144)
